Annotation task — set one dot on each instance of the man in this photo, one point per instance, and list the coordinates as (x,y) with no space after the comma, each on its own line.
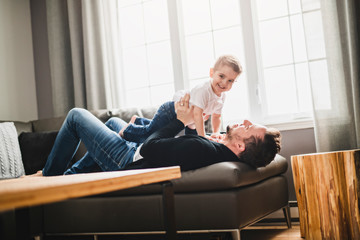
(253,144)
(107,151)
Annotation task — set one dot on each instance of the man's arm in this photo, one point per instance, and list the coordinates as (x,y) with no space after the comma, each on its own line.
(169,131)
(164,135)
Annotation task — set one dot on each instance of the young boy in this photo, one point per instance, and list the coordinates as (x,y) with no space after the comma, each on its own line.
(207,98)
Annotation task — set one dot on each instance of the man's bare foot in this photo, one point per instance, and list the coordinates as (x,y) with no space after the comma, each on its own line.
(132,120)
(37,174)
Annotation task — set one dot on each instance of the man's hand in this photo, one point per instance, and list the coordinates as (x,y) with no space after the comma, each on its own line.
(183,111)
(217,137)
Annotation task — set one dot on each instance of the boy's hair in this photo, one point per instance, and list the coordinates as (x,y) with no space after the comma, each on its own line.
(230,61)
(260,152)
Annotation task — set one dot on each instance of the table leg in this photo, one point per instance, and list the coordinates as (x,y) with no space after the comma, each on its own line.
(169,210)
(22,222)
(15,224)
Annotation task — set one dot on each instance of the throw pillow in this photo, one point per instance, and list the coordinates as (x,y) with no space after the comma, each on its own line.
(35,149)
(11,165)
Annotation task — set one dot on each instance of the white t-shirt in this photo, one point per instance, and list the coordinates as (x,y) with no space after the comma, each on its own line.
(203,97)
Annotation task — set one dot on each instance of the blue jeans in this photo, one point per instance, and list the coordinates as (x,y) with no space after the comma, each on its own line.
(143,127)
(107,151)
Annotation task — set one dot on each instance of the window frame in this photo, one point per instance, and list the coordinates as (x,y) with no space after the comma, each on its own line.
(254,70)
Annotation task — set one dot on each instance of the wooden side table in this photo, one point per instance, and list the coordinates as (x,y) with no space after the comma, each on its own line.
(327,191)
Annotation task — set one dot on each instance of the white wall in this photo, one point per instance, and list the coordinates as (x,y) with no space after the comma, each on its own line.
(17,78)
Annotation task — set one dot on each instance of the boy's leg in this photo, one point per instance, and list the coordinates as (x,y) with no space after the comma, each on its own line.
(115,124)
(142,121)
(104,146)
(132,120)
(164,115)
(86,164)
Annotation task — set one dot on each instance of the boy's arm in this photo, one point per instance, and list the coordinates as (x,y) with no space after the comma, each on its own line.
(199,121)
(216,122)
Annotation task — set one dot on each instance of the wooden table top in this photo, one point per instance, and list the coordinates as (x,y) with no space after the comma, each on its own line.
(30,191)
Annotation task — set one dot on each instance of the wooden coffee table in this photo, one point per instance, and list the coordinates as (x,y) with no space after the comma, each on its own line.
(22,193)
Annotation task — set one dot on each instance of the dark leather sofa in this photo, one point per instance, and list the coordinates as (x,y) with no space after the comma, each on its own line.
(223,197)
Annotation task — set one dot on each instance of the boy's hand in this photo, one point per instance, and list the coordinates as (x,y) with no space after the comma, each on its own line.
(183,111)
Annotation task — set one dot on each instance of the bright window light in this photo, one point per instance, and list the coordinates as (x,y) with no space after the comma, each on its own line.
(275,37)
(200,55)
(279,43)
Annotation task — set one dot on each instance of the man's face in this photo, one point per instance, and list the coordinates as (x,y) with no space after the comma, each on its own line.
(245,130)
(222,79)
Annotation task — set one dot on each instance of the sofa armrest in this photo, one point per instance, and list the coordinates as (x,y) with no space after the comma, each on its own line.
(216,177)
(227,175)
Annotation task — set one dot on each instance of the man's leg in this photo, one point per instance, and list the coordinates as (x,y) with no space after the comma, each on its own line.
(86,164)
(104,146)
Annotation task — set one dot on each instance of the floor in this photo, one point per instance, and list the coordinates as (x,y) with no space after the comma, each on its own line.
(272,233)
(251,233)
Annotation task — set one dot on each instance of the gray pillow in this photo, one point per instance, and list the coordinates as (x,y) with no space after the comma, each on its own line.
(11,165)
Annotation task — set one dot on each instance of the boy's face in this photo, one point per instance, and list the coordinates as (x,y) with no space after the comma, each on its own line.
(222,79)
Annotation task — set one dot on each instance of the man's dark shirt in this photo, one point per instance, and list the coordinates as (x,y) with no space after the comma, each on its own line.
(162,149)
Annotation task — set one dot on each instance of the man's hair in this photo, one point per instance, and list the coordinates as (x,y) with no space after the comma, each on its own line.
(230,61)
(260,152)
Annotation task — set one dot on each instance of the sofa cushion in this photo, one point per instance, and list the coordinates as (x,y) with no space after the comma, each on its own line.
(54,124)
(48,124)
(126,113)
(102,114)
(11,165)
(148,112)
(35,148)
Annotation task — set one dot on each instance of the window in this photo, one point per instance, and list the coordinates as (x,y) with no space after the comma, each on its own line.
(291,51)
(171,45)
(146,51)
(213,28)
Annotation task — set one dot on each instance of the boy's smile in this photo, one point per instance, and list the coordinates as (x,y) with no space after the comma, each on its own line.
(222,79)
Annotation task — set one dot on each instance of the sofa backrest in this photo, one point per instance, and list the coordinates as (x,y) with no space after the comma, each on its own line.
(46,130)
(54,124)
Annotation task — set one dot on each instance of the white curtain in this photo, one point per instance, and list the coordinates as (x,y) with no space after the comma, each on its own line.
(83,54)
(337,126)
